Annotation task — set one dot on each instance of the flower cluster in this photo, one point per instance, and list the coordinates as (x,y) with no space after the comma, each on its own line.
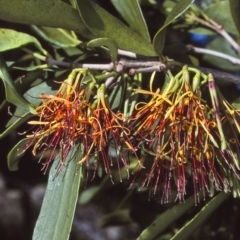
(69,118)
(175,136)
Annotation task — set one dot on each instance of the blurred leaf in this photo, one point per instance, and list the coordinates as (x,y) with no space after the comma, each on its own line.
(88,194)
(108,42)
(198,219)
(103,24)
(10,39)
(132,14)
(179,9)
(12,94)
(58,208)
(15,155)
(225,20)
(49,13)
(117,217)
(235,10)
(236,103)
(202,31)
(57,36)
(220,44)
(166,219)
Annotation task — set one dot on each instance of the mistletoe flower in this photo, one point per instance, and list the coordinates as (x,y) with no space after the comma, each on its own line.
(180,136)
(62,118)
(108,137)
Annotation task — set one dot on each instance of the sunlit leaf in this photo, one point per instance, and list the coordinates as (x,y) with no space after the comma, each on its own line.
(10,39)
(132,14)
(103,24)
(179,9)
(198,219)
(49,13)
(56,36)
(58,208)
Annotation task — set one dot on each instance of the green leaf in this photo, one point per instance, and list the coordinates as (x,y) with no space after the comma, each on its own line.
(117,95)
(103,24)
(15,155)
(49,13)
(205,212)
(132,14)
(108,42)
(56,36)
(58,208)
(179,9)
(225,19)
(236,103)
(20,115)
(235,10)
(23,117)
(10,39)
(12,94)
(166,219)
(118,217)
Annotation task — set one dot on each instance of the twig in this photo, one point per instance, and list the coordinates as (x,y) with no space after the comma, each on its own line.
(221,75)
(231,59)
(121,65)
(219,29)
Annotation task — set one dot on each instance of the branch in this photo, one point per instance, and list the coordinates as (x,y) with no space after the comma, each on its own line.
(135,66)
(218,28)
(231,59)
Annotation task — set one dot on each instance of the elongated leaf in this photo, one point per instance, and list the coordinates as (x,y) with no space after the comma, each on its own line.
(132,14)
(57,37)
(103,24)
(57,212)
(165,220)
(179,9)
(10,39)
(15,155)
(18,122)
(235,10)
(205,212)
(49,13)
(12,94)
(118,217)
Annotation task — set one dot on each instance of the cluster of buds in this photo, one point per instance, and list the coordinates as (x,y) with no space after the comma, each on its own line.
(175,136)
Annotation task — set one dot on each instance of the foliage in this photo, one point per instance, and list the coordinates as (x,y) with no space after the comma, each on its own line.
(125,97)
